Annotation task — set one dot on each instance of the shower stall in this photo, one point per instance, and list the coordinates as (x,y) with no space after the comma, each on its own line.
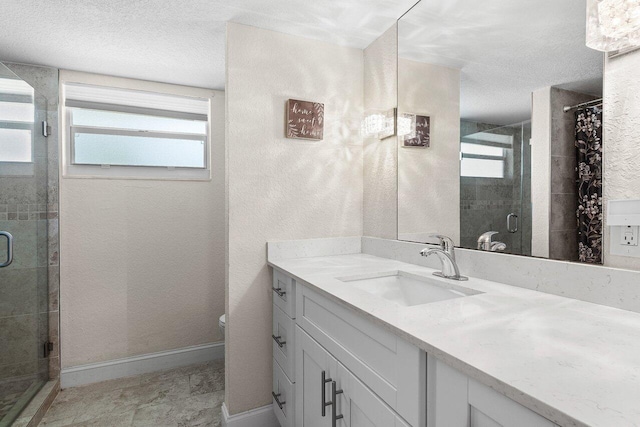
(495,185)
(24,245)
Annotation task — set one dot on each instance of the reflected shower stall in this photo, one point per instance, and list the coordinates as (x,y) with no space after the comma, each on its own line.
(495,185)
(24,305)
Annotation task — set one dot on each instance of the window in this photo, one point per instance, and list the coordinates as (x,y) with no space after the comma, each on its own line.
(127,133)
(16,121)
(483,155)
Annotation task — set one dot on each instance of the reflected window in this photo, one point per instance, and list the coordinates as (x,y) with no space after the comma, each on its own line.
(16,121)
(482,168)
(484,155)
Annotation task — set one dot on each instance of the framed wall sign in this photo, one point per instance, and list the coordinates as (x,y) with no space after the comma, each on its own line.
(421,138)
(305,119)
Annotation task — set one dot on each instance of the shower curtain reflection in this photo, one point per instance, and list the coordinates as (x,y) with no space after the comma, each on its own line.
(589,181)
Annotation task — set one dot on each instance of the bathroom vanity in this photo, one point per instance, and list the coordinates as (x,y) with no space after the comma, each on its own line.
(346,354)
(333,364)
(324,353)
(493,355)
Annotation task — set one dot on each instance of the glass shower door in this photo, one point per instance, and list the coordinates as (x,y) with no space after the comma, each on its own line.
(24,311)
(495,185)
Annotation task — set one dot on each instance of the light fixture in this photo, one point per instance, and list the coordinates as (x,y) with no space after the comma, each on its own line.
(373,124)
(379,124)
(613,24)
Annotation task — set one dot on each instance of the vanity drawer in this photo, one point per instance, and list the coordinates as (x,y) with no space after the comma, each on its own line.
(394,369)
(284,293)
(283,397)
(284,342)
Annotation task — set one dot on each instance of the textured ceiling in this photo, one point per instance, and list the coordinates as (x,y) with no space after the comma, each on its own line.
(179,42)
(505,49)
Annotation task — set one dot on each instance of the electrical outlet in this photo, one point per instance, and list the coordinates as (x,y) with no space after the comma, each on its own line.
(629,235)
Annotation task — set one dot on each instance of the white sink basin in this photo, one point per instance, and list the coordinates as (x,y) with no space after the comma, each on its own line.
(407,289)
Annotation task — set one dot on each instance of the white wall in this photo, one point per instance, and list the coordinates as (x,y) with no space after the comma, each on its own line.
(381,157)
(621,141)
(429,179)
(541,174)
(278,188)
(142,262)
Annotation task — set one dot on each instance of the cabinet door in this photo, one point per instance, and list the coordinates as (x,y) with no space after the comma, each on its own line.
(489,408)
(447,403)
(455,400)
(312,361)
(359,406)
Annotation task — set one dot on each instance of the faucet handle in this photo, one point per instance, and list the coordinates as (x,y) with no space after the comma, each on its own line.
(485,240)
(487,237)
(446,243)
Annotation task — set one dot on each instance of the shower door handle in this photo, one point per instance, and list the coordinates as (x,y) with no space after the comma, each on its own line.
(9,259)
(512,223)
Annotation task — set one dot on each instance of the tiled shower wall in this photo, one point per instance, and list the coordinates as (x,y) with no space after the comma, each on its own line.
(45,81)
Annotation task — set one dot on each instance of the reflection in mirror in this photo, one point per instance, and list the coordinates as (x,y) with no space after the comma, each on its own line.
(16,117)
(514,152)
(20,110)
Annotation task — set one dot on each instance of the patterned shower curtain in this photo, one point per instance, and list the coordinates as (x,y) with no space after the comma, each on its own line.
(589,170)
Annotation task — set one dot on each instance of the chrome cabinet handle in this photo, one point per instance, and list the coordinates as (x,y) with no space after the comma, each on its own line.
(276,396)
(323,384)
(277,340)
(334,404)
(279,291)
(510,228)
(9,259)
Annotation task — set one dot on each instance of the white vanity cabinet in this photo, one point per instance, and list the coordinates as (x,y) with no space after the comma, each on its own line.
(455,400)
(317,369)
(330,395)
(333,367)
(360,407)
(379,378)
(283,342)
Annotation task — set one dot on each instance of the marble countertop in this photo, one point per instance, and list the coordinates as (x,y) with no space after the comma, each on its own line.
(573,362)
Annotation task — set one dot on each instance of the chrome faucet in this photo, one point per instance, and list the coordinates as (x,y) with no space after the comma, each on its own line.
(446,254)
(486,243)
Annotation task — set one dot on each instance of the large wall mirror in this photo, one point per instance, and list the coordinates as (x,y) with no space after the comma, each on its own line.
(504,152)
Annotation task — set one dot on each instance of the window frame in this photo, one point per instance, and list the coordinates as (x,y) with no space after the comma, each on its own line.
(31,127)
(486,143)
(129,132)
(71,169)
(16,168)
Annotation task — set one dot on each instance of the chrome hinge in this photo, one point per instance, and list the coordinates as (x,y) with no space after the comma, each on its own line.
(46,129)
(48,348)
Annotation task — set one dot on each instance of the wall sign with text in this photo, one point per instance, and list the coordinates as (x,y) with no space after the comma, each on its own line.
(305,119)
(422,135)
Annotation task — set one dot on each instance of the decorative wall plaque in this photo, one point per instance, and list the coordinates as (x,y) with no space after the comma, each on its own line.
(305,119)
(422,136)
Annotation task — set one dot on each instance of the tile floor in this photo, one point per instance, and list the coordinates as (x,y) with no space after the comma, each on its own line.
(11,391)
(182,397)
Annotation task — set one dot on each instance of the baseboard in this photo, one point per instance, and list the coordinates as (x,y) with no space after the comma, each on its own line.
(259,417)
(120,368)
